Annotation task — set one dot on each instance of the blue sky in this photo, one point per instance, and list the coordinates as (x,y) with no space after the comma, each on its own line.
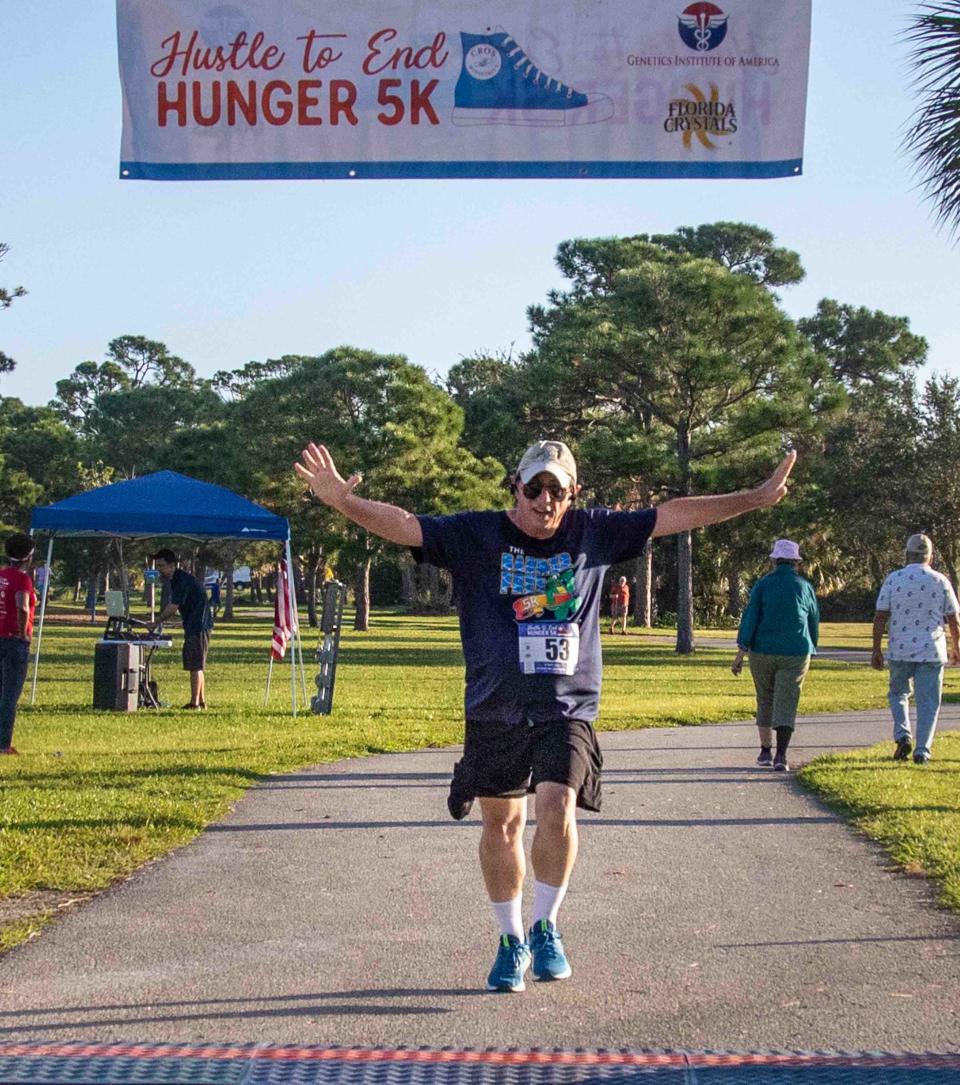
(228,272)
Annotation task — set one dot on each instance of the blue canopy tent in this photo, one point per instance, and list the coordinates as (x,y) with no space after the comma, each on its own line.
(164,503)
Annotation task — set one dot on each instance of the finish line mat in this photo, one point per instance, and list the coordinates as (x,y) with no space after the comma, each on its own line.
(163,1064)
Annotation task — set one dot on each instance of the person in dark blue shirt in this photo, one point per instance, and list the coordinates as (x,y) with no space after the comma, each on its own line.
(779,631)
(188,597)
(528,584)
(215,597)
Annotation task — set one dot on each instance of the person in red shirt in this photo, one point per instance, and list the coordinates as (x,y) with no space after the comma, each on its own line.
(18,601)
(619,604)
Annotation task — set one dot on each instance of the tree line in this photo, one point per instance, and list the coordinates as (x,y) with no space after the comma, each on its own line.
(667,362)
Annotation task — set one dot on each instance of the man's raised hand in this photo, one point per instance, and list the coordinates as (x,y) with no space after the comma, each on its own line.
(321,475)
(327,485)
(775,488)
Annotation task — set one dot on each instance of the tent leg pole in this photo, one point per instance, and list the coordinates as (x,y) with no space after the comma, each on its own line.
(296,661)
(153,597)
(43,611)
(293,614)
(303,670)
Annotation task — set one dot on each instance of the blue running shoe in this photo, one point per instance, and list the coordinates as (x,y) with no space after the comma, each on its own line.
(513,959)
(549,960)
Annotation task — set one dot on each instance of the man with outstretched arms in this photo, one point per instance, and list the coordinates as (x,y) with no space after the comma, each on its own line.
(529,583)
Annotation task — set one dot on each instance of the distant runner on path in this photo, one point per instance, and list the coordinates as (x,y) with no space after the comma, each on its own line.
(529,585)
(619,604)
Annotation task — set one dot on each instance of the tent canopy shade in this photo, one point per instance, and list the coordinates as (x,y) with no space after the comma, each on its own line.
(164,503)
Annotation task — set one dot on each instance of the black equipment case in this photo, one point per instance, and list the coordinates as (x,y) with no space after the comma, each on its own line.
(117,667)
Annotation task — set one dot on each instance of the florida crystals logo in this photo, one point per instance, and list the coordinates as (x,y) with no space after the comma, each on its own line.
(703,26)
(701,118)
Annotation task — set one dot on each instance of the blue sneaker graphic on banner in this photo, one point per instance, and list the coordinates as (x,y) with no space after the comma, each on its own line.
(500,84)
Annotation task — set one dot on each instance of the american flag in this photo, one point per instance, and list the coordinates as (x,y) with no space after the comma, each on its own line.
(284,616)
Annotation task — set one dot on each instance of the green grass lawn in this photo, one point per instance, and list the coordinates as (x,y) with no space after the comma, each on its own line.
(94,795)
(847,635)
(832,634)
(912,810)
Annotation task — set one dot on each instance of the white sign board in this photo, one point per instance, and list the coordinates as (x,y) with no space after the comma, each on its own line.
(250,89)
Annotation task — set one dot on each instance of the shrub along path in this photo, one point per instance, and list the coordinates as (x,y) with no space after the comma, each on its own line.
(716,905)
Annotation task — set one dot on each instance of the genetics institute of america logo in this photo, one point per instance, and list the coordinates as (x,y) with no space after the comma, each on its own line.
(703,26)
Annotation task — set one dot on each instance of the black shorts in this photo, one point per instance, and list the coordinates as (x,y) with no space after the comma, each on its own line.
(195,647)
(504,762)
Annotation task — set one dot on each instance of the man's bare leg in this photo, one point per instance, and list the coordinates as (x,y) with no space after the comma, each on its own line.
(503,866)
(554,853)
(555,842)
(196,688)
(501,847)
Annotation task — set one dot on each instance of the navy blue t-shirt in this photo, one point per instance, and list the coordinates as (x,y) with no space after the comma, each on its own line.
(529,608)
(187,592)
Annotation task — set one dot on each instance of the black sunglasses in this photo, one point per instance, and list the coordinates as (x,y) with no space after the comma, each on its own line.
(532,490)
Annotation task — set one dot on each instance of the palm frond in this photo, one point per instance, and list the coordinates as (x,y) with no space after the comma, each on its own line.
(934,135)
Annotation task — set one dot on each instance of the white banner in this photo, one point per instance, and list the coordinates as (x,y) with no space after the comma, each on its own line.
(462,88)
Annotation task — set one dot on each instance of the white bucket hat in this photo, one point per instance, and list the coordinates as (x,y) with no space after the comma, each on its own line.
(786,550)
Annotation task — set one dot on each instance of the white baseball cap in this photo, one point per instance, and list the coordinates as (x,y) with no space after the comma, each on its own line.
(551,456)
(786,550)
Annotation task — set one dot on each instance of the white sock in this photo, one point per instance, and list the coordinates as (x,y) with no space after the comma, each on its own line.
(510,916)
(547,900)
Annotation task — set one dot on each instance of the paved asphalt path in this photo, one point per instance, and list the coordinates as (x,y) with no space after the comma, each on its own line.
(716,905)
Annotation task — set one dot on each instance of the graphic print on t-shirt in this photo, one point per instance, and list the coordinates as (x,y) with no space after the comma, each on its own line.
(547,584)
(559,595)
(547,589)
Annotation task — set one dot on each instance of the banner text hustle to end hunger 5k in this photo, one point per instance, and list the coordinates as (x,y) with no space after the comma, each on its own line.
(285,88)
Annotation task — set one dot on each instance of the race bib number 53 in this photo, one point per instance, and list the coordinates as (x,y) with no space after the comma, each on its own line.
(549,647)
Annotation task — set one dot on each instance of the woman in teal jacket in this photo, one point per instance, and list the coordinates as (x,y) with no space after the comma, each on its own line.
(779,631)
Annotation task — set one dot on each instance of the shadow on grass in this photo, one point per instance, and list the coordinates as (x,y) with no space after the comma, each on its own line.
(386,655)
(393,656)
(61,824)
(658,656)
(389,654)
(226,654)
(385,620)
(133,777)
